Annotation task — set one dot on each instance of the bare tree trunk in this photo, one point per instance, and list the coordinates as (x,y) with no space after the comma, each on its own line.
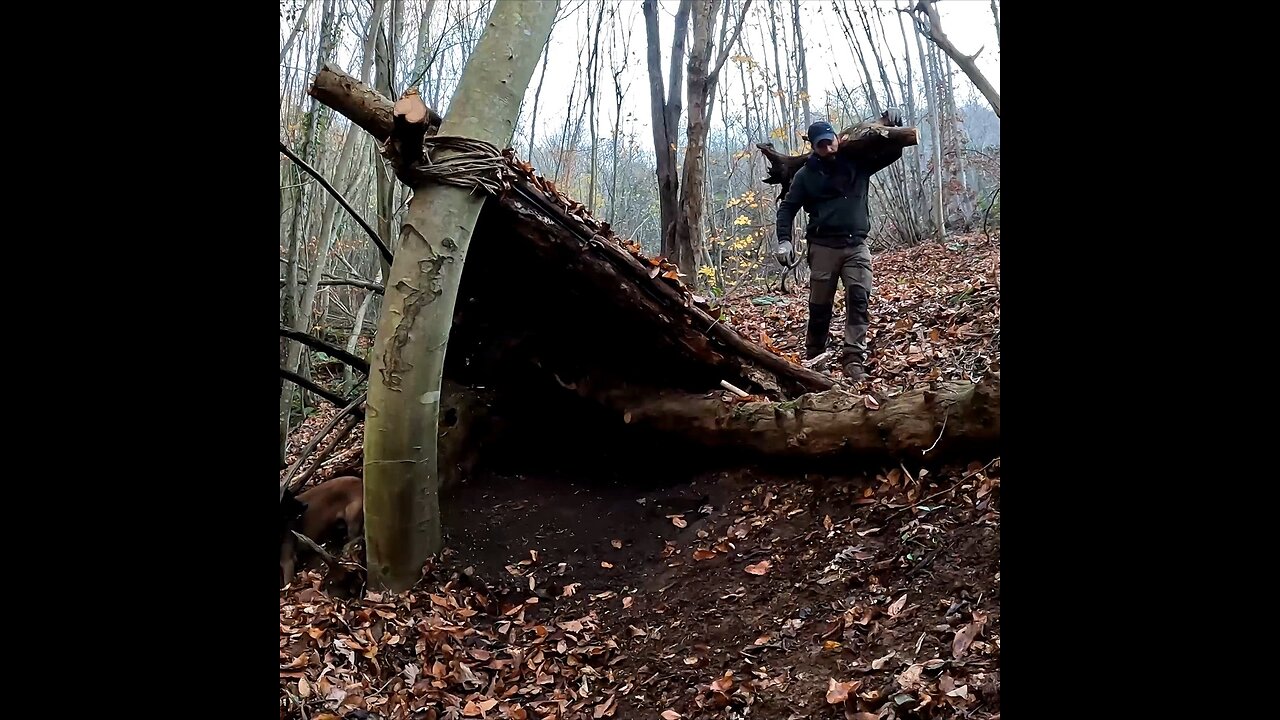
(298,225)
(665,104)
(958,142)
(803,69)
(945,133)
(353,342)
(385,54)
(568,145)
(688,235)
(701,84)
(594,75)
(302,17)
(325,240)
(995,13)
(537,95)
(420,63)
(402,510)
(619,94)
(935,134)
(784,109)
(917,185)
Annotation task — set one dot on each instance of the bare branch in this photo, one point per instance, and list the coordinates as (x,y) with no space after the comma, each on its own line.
(352,410)
(322,346)
(737,30)
(386,253)
(377,288)
(302,382)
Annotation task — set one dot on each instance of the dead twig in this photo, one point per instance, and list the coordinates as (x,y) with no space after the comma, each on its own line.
(302,456)
(940,432)
(329,559)
(382,247)
(332,445)
(940,493)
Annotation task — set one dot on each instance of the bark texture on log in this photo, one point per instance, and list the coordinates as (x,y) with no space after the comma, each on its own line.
(360,103)
(855,142)
(916,424)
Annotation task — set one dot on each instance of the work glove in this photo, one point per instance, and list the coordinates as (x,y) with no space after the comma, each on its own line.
(785,253)
(892,117)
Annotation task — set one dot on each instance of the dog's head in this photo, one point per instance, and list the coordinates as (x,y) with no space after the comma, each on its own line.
(291,508)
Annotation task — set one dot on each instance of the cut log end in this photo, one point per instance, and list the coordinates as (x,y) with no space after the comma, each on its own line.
(410,119)
(410,108)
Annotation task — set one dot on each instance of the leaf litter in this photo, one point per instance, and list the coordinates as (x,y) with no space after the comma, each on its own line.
(935,315)
(861,593)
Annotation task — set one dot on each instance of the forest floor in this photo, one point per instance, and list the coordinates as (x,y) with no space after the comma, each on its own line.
(728,594)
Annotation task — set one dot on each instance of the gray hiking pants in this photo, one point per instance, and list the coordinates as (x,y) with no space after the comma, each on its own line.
(827,266)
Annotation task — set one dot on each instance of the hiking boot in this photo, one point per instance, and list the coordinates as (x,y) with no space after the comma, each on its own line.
(854,372)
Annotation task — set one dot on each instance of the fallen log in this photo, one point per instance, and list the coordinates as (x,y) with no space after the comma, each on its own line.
(918,424)
(864,140)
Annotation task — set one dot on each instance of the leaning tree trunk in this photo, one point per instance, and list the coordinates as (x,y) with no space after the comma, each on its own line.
(929,25)
(402,508)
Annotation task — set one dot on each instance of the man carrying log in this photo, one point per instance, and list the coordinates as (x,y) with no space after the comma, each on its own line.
(833,187)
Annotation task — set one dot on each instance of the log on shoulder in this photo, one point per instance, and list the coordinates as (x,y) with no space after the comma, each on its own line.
(858,141)
(920,423)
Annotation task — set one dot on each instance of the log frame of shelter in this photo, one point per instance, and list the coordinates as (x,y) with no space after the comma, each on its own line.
(794,411)
(742,362)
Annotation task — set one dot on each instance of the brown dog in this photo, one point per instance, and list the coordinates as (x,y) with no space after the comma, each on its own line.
(323,506)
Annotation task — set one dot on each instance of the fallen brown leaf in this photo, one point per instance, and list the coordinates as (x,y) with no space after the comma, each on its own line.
(838,692)
(759,568)
(960,645)
(679,522)
(897,606)
(701,554)
(671,715)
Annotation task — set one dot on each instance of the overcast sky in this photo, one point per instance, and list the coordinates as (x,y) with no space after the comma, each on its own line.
(968,23)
